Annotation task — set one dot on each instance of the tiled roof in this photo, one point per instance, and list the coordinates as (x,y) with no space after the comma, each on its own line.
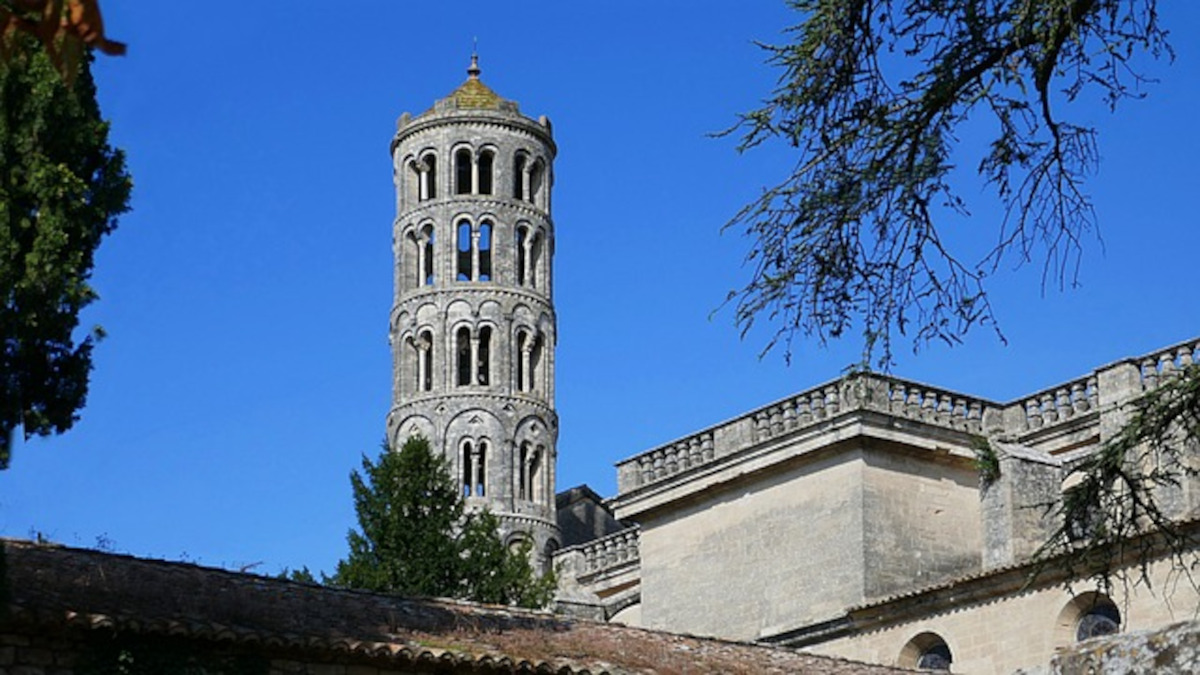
(56,586)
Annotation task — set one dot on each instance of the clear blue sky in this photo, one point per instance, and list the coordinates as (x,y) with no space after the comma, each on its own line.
(246,296)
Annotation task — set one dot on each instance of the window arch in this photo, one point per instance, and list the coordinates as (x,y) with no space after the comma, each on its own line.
(484,246)
(424,371)
(529,360)
(420,245)
(412,181)
(529,254)
(520,160)
(487,162)
(464,250)
(474,462)
(426,169)
(1086,616)
(537,179)
(462,353)
(462,171)
(927,651)
(483,371)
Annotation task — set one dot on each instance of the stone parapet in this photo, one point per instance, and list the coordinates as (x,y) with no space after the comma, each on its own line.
(1060,417)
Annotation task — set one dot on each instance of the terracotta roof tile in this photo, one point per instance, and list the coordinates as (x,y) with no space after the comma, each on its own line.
(60,586)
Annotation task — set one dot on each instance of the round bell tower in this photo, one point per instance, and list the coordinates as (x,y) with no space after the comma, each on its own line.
(472,326)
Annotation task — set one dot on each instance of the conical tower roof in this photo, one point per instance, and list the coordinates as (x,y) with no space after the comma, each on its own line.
(473,94)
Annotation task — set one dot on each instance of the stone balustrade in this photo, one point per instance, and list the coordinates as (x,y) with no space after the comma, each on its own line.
(932,405)
(801,411)
(1059,404)
(605,553)
(1166,363)
(1036,412)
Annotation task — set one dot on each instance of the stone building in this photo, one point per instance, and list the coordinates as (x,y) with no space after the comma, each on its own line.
(850,520)
(472,328)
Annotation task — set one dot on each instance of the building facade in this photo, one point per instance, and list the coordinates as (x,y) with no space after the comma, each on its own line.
(472,327)
(851,520)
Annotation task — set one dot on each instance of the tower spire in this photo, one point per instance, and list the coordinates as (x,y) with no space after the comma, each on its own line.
(474,70)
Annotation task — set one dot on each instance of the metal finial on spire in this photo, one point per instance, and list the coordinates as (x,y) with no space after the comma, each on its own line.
(474,71)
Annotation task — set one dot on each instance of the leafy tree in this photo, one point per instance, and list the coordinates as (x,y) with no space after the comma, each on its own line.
(871,96)
(61,188)
(417,538)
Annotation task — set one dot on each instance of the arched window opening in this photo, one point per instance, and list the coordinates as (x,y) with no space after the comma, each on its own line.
(537,177)
(522,359)
(927,651)
(483,373)
(535,258)
(481,470)
(414,276)
(936,657)
(462,353)
(425,262)
(535,363)
(468,467)
(412,179)
(424,347)
(1102,618)
(485,251)
(464,251)
(462,172)
(535,474)
(522,253)
(519,176)
(428,168)
(522,471)
(486,162)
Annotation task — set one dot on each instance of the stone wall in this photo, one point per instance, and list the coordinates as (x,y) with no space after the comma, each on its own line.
(993,626)
(780,548)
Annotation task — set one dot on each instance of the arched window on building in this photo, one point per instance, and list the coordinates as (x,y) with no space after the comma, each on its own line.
(462,355)
(424,347)
(424,257)
(522,252)
(535,363)
(535,260)
(412,181)
(467,462)
(487,162)
(428,169)
(926,651)
(462,171)
(483,374)
(519,162)
(1101,619)
(537,180)
(463,256)
(524,478)
(485,251)
(519,358)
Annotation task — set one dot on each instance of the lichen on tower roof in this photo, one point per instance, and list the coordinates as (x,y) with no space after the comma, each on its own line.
(475,95)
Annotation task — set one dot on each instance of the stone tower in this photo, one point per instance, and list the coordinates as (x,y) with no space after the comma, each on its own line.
(472,326)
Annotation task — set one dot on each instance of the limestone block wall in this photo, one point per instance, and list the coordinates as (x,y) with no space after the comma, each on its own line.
(781,549)
(999,632)
(921,521)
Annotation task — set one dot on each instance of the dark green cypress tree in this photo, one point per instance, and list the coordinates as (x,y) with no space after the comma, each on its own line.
(61,188)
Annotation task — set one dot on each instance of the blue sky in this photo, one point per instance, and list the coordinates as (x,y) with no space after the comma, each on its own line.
(246,296)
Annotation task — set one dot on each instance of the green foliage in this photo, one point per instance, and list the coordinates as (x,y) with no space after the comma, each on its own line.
(141,655)
(417,539)
(987,462)
(1132,486)
(61,187)
(871,97)
(302,575)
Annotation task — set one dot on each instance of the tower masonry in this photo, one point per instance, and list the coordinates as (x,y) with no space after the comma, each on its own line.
(472,327)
